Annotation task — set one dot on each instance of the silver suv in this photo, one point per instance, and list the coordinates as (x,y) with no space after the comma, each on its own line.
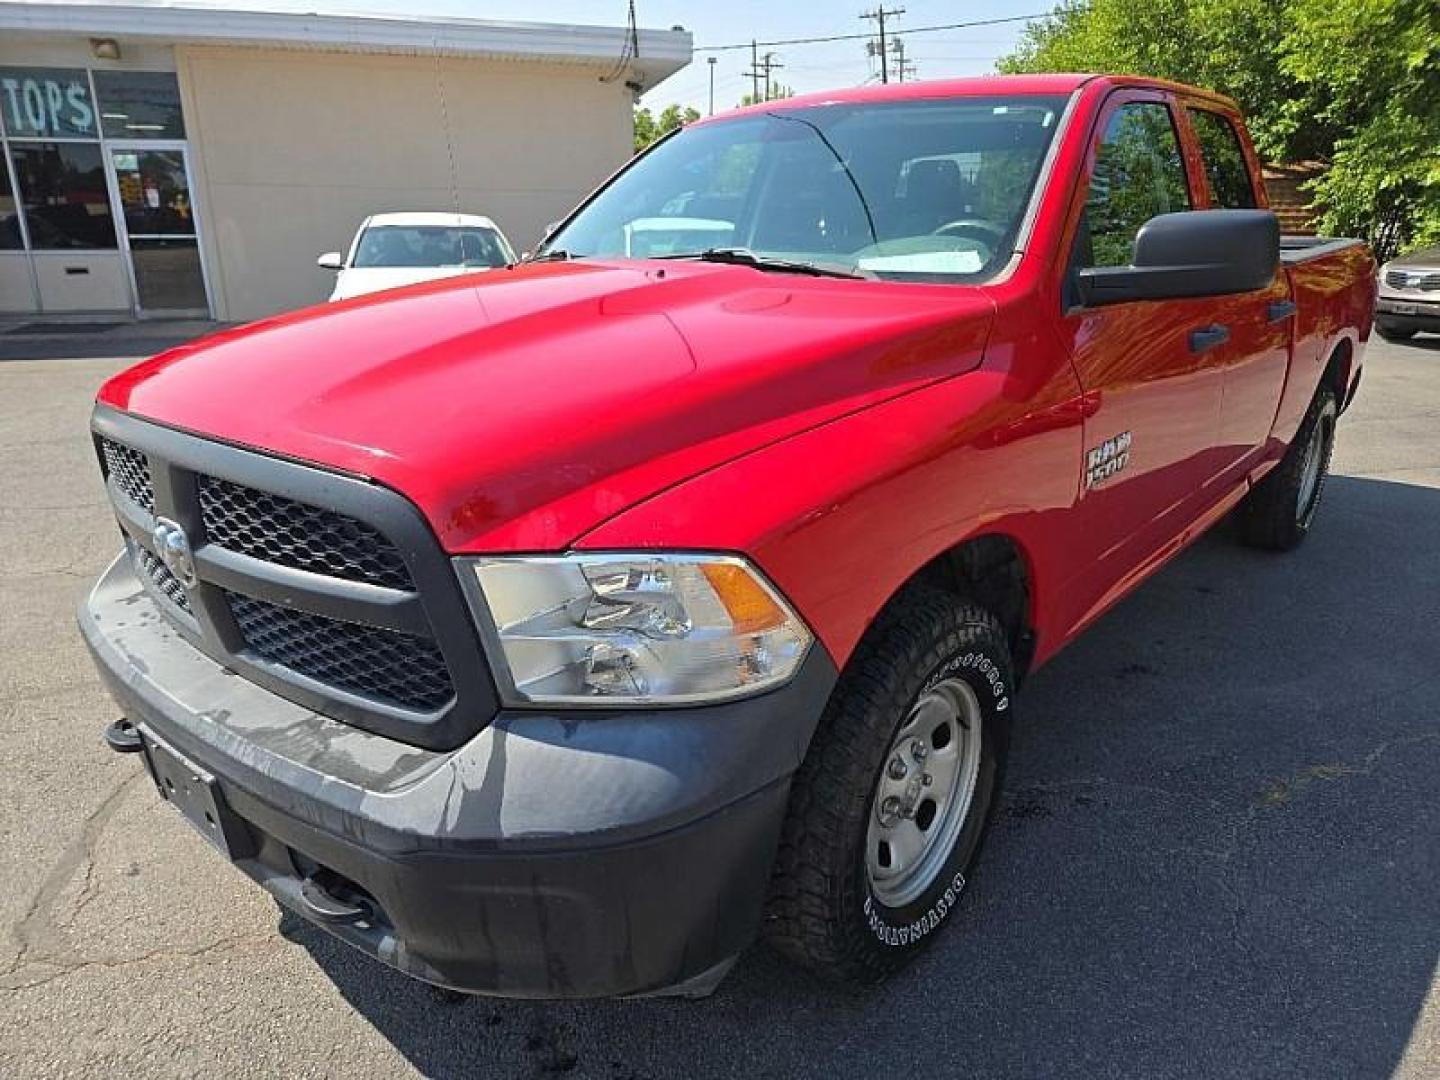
(1409,299)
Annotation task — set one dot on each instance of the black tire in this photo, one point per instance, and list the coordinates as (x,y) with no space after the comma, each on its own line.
(1394,333)
(1274,515)
(823,911)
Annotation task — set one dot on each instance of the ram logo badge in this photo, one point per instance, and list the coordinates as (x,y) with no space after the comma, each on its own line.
(173,547)
(1107,459)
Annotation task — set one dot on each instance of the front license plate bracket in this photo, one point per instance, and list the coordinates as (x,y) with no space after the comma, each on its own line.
(194,792)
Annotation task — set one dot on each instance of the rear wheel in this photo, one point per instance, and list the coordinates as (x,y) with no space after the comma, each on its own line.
(890,805)
(1278,512)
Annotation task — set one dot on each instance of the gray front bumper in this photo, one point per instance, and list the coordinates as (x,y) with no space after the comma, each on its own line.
(553,854)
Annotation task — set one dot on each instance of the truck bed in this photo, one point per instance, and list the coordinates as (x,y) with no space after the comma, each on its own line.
(1296,248)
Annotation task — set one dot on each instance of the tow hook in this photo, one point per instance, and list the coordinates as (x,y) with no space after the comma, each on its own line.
(123,737)
(324,904)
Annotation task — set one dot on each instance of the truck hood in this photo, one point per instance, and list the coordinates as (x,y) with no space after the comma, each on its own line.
(521,408)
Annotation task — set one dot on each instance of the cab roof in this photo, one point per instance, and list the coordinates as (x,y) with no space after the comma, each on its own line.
(976,86)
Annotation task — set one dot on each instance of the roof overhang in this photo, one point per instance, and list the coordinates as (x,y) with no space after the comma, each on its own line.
(660,53)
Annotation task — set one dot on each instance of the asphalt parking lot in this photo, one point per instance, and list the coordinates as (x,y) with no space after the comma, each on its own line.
(1218,855)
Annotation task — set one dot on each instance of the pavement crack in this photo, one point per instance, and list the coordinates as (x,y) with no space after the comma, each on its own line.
(35,933)
(62,969)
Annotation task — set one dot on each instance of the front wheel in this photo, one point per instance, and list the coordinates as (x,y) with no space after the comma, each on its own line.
(1279,510)
(891,803)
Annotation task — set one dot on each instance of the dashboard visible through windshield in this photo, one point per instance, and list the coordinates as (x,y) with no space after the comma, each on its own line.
(930,190)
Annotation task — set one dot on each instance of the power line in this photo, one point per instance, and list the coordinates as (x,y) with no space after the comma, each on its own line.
(861,37)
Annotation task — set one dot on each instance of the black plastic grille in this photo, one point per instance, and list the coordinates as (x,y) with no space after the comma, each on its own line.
(130,471)
(1400,279)
(166,583)
(290,533)
(374,663)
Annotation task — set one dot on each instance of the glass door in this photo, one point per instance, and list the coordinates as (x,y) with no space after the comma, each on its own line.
(152,185)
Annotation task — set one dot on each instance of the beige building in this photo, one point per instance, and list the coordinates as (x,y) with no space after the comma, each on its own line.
(164,160)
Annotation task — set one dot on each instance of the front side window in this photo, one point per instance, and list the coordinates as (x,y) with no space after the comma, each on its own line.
(427,245)
(139,104)
(1139,173)
(62,187)
(1227,175)
(46,103)
(914,191)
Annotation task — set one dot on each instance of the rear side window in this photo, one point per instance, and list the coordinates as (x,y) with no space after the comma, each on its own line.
(1226,173)
(1139,173)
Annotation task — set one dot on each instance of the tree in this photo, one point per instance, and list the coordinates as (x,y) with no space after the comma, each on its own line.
(648,127)
(1352,83)
(777,92)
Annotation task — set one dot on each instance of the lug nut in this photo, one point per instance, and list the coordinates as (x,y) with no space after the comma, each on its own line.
(918,749)
(890,811)
(927,779)
(897,769)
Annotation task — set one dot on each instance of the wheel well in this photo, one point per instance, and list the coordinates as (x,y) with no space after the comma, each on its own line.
(1337,372)
(990,570)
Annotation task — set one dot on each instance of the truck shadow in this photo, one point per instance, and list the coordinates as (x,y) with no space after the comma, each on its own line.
(1216,855)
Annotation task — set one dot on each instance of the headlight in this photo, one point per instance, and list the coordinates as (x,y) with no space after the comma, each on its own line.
(637,628)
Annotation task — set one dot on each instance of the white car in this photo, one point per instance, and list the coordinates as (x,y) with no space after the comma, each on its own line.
(390,250)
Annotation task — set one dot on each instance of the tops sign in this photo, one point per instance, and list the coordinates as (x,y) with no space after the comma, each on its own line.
(46,103)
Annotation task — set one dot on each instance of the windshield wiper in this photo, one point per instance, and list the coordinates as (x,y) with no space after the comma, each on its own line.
(553,255)
(739,256)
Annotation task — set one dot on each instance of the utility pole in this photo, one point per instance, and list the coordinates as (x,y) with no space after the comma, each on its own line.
(712,86)
(754,72)
(903,67)
(880,14)
(769,63)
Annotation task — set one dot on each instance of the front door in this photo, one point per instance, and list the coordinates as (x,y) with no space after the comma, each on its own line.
(159,229)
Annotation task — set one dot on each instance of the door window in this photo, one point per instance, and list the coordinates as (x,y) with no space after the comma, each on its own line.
(154,189)
(1139,173)
(1227,176)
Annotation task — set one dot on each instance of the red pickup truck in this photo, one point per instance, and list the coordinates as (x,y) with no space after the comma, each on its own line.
(555,631)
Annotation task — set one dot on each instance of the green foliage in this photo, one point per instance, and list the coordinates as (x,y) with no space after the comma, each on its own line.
(1353,83)
(777,91)
(649,127)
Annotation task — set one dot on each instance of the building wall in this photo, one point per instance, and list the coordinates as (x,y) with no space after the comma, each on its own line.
(291,149)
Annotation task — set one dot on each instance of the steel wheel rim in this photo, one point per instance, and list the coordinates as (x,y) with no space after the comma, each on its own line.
(1310,472)
(914,822)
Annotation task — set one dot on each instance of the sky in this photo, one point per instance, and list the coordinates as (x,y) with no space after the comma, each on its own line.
(945,54)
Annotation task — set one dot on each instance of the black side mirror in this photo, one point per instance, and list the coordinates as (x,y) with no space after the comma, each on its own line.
(1194,253)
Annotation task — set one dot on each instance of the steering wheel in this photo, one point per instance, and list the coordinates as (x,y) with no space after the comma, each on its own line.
(987,232)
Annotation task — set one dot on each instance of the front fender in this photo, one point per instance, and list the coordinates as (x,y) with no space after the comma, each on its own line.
(842,515)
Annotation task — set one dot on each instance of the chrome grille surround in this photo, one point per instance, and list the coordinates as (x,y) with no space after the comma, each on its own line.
(1417,280)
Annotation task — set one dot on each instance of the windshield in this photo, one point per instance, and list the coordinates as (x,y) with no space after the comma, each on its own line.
(429,245)
(914,190)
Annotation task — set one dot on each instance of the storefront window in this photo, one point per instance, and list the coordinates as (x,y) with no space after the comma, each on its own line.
(62,186)
(9,215)
(46,103)
(139,104)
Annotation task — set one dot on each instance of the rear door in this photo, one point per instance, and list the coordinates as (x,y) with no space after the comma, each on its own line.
(1151,373)
(1259,323)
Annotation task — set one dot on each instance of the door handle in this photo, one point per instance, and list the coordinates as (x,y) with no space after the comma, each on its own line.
(1208,337)
(1279,310)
